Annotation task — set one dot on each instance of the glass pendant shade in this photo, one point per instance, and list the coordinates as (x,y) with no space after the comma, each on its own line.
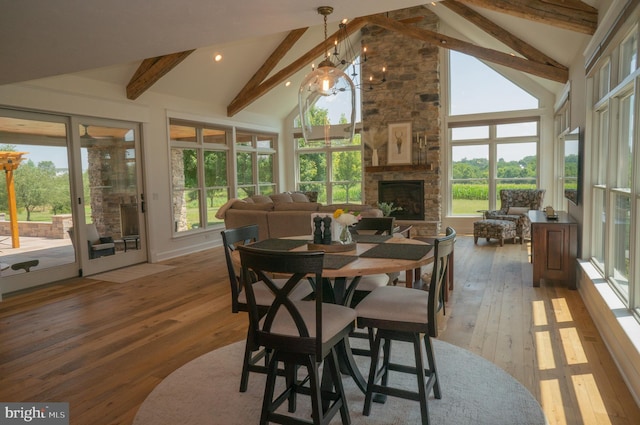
(327,105)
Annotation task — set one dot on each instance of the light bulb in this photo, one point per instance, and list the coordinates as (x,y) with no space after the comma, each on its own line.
(325,84)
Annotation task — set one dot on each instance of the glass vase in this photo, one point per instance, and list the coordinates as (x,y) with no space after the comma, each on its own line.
(345,235)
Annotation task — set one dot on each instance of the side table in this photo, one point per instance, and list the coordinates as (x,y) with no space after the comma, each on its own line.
(554,245)
(135,239)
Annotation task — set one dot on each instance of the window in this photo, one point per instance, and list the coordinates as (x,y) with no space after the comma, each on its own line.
(500,156)
(621,196)
(203,157)
(470,180)
(492,151)
(599,195)
(604,82)
(629,55)
(199,174)
(255,163)
(474,86)
(329,165)
(335,172)
(614,243)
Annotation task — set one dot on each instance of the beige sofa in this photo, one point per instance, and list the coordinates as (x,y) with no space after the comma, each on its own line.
(281,215)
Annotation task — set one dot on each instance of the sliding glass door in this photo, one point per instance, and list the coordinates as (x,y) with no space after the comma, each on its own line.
(109,200)
(71,203)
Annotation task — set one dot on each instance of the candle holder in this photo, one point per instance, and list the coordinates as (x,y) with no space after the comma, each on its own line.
(422,145)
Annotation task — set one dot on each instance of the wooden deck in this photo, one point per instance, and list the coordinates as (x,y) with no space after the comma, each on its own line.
(104,346)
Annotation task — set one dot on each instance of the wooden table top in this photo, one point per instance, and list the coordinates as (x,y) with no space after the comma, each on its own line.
(366,266)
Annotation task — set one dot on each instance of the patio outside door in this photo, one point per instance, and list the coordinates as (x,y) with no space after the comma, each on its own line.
(110,200)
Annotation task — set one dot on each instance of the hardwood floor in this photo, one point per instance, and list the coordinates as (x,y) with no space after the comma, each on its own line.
(104,346)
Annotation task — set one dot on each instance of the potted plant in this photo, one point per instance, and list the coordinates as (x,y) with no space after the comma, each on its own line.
(388,208)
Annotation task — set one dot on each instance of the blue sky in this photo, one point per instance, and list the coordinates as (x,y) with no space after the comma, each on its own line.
(477,88)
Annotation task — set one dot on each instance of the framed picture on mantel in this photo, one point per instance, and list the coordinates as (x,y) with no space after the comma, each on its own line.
(399,145)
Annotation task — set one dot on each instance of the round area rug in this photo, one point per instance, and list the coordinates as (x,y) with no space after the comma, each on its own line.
(474,391)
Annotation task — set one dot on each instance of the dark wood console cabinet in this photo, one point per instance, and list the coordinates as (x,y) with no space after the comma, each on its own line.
(554,245)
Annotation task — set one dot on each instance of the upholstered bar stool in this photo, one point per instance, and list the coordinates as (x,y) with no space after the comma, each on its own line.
(395,313)
(254,354)
(299,334)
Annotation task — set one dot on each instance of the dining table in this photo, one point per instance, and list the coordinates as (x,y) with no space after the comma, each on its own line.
(369,254)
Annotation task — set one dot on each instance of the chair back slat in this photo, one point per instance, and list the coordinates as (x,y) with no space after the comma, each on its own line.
(231,239)
(380,225)
(443,247)
(298,266)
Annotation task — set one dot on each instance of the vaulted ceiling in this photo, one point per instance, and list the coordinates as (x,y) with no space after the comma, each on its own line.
(168,49)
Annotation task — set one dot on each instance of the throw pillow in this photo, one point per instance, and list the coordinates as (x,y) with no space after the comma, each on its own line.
(517,210)
(281,197)
(312,195)
(261,199)
(223,209)
(299,197)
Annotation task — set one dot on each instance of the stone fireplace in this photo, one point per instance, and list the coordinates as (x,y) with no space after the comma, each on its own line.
(410,94)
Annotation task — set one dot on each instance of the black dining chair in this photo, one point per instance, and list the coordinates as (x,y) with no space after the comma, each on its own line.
(255,357)
(299,334)
(376,226)
(404,314)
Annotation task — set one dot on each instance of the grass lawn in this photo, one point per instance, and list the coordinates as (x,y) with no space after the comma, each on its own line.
(469,206)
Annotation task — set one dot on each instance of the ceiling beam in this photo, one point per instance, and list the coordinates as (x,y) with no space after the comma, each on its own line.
(571,15)
(536,63)
(258,91)
(266,68)
(529,66)
(517,44)
(151,70)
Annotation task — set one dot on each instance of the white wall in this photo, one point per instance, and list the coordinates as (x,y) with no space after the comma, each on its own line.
(73,95)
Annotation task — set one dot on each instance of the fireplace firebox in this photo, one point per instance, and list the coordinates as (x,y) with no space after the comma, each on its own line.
(407,194)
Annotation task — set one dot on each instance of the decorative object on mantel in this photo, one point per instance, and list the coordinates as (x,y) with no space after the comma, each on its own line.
(400,143)
(375,138)
(421,140)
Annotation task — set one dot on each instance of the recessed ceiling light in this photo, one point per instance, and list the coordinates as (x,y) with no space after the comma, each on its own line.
(217,57)
(287,84)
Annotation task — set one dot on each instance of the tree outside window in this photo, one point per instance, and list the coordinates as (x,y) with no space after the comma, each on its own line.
(328,165)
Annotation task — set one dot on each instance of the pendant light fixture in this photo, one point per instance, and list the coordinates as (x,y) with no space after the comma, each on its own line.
(327,99)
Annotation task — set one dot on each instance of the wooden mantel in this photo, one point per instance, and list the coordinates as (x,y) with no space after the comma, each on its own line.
(400,167)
